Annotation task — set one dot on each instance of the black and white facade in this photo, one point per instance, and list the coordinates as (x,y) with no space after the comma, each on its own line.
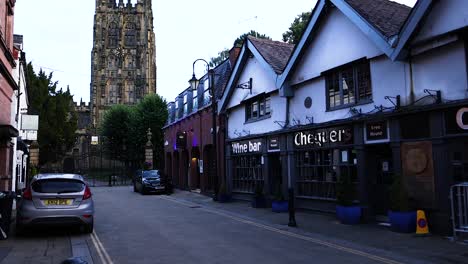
(362,98)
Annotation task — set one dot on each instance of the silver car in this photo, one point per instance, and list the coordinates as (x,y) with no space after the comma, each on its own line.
(56,199)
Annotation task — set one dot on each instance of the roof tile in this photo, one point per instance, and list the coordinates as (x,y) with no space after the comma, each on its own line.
(386,16)
(276,53)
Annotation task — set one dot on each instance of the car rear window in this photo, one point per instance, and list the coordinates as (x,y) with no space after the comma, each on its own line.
(151,174)
(58,186)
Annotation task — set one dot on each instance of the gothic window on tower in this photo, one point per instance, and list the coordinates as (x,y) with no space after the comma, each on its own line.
(119,90)
(113,35)
(130,34)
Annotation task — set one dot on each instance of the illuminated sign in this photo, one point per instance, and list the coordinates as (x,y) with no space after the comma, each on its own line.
(461,121)
(248,146)
(376,132)
(324,137)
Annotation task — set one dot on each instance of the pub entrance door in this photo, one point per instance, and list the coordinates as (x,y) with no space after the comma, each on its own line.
(380,177)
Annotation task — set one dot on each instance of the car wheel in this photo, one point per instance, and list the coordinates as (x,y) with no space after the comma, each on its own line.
(134,188)
(19,229)
(88,228)
(143,191)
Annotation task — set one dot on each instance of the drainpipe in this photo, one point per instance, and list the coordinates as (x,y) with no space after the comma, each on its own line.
(411,95)
(286,124)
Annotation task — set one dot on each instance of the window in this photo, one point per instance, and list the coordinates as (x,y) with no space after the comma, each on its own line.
(349,85)
(318,171)
(258,108)
(247,173)
(185,105)
(113,35)
(130,34)
(195,100)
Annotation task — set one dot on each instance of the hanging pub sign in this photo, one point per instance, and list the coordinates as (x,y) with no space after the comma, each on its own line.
(328,137)
(247,146)
(376,132)
(273,144)
(181,140)
(456,120)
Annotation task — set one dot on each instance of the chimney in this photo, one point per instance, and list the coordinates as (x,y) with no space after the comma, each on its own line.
(233,54)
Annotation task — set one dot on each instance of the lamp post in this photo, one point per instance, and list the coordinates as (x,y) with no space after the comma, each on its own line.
(194,82)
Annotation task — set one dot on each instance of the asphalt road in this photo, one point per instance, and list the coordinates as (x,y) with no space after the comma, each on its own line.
(132,228)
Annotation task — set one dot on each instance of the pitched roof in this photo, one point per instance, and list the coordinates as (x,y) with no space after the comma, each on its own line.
(386,16)
(275,53)
(222,73)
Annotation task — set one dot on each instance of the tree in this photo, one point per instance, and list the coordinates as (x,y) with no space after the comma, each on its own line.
(115,126)
(293,35)
(57,117)
(151,113)
(223,55)
(127,126)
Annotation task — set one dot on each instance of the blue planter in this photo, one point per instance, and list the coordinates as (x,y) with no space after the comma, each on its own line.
(259,202)
(349,215)
(279,206)
(403,222)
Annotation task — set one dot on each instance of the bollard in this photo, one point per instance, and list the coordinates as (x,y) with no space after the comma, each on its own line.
(292,210)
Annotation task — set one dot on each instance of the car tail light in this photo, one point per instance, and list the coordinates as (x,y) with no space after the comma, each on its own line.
(87,193)
(27,194)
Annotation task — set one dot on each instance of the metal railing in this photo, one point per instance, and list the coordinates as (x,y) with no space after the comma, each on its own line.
(459,204)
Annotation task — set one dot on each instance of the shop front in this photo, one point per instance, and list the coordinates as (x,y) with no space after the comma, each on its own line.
(321,158)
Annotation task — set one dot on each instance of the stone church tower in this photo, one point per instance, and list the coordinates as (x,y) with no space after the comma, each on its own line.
(123,59)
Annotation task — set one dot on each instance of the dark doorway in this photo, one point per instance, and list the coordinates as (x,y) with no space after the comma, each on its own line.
(274,172)
(184,169)
(194,181)
(380,177)
(208,168)
(175,169)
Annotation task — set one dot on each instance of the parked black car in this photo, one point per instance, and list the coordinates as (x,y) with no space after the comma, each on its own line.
(149,181)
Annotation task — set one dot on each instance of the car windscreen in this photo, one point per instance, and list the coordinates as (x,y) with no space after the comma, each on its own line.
(150,174)
(58,186)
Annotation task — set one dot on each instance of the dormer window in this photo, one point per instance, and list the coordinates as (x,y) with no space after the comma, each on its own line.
(348,85)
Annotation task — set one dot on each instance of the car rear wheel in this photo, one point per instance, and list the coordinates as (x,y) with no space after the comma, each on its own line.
(88,228)
(19,231)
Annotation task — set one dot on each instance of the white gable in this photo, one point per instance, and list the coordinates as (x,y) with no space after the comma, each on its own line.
(336,42)
(445,16)
(261,82)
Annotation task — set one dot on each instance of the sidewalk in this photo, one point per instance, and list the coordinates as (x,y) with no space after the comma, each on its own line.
(367,237)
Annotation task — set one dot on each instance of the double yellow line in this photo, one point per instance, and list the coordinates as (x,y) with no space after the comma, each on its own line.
(102,253)
(291,234)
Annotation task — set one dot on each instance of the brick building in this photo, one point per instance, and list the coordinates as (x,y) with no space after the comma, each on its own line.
(7,87)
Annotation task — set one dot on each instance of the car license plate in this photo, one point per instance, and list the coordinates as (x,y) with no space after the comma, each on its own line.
(50,202)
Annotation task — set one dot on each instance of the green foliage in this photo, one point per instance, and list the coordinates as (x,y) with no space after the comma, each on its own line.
(115,126)
(278,196)
(294,33)
(345,191)
(258,190)
(399,199)
(240,40)
(223,189)
(57,117)
(223,55)
(128,126)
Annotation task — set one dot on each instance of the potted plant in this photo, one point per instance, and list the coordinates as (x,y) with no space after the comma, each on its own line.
(259,200)
(347,211)
(223,196)
(279,204)
(402,217)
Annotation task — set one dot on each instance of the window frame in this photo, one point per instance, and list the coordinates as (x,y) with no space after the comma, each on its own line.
(263,100)
(336,74)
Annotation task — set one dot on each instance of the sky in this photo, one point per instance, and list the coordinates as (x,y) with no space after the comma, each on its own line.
(58,35)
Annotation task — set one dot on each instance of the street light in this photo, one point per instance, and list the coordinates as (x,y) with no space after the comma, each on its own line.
(194,82)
